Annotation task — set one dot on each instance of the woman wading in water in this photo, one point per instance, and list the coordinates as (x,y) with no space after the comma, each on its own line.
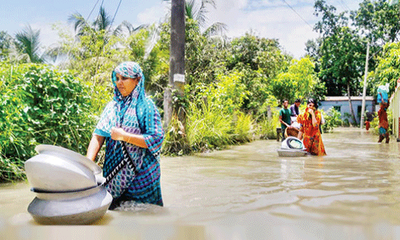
(309,131)
(131,126)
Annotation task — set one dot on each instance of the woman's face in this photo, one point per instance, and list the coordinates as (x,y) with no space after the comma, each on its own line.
(310,105)
(126,85)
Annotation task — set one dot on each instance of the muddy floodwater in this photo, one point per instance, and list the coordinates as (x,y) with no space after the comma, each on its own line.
(248,192)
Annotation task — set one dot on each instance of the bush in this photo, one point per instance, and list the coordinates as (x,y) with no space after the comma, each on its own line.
(242,127)
(40,105)
(208,127)
(267,126)
(175,141)
(332,119)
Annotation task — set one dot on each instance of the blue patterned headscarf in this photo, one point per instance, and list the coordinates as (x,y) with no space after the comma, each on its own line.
(136,114)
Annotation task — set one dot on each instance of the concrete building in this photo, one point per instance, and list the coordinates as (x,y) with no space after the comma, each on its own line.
(395,108)
(342,105)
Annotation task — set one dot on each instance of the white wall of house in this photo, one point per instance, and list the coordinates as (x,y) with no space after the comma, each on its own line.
(395,108)
(342,105)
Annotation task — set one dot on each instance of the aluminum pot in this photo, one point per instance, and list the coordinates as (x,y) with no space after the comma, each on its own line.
(59,169)
(82,207)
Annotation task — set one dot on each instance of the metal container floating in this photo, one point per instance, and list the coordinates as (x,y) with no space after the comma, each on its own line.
(68,186)
(292,147)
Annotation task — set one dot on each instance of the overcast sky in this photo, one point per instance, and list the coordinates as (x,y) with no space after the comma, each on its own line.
(289,21)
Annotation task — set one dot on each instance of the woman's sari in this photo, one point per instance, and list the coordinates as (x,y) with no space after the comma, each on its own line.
(312,138)
(132,173)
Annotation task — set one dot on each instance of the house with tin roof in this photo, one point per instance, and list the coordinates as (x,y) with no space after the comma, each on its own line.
(341,104)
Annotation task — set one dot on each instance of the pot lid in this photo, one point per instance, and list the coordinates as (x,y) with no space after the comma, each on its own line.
(70,155)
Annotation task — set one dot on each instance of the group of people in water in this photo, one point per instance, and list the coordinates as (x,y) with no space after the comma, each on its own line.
(305,126)
(131,127)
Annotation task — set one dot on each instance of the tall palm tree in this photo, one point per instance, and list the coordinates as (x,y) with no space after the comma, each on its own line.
(83,27)
(129,27)
(28,42)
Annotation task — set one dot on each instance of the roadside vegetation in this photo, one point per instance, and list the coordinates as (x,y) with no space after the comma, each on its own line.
(234,87)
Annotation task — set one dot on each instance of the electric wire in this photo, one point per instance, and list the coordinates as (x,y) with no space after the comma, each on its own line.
(73,44)
(345,5)
(297,14)
(94,8)
(115,14)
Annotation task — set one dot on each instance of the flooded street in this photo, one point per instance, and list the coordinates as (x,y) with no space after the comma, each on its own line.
(248,192)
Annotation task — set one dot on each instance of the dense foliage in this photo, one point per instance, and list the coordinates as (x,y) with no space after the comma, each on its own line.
(340,53)
(40,105)
(388,68)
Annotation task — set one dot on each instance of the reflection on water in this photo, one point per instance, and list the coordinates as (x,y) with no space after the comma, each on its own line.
(248,192)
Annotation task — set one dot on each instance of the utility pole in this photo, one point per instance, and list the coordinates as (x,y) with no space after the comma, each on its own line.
(177,60)
(365,88)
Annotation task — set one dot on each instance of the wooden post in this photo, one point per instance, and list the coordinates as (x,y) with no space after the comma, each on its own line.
(177,59)
(365,88)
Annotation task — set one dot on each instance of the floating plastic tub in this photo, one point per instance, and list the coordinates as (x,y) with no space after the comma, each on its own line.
(292,147)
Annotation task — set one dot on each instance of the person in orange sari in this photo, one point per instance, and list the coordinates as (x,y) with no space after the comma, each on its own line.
(309,131)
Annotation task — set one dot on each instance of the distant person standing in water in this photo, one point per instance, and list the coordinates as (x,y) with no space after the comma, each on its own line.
(309,131)
(369,117)
(284,117)
(383,121)
(294,109)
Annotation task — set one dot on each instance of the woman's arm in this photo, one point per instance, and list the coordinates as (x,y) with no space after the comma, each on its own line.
(314,120)
(120,134)
(94,146)
(300,135)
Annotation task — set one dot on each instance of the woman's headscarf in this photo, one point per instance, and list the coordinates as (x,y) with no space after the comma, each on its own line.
(121,112)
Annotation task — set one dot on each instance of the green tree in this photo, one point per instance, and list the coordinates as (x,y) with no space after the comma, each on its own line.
(83,27)
(342,61)
(378,21)
(388,68)
(5,45)
(257,53)
(27,43)
(342,53)
(300,81)
(312,48)
(93,54)
(260,60)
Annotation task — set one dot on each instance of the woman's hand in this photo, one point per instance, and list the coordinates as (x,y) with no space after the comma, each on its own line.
(120,134)
(117,134)
(311,111)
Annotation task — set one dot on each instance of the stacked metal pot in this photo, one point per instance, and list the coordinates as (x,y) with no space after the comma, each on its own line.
(69,187)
